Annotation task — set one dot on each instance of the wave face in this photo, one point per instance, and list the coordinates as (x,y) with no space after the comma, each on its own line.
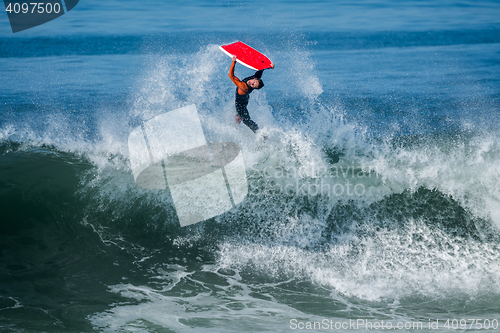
(376,196)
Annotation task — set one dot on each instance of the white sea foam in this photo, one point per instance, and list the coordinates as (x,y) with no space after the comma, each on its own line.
(386,264)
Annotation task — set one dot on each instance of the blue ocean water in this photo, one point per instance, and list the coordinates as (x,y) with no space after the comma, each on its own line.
(375,199)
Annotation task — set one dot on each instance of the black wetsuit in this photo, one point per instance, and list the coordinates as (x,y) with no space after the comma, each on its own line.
(241,103)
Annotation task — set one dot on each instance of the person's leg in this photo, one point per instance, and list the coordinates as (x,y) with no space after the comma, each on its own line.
(243,113)
(251,124)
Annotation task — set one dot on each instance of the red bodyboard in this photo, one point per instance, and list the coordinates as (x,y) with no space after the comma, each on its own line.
(247,56)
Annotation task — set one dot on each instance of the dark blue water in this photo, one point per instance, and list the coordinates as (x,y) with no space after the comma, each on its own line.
(391,106)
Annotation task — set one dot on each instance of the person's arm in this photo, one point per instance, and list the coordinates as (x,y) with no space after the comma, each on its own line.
(241,85)
(258,74)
